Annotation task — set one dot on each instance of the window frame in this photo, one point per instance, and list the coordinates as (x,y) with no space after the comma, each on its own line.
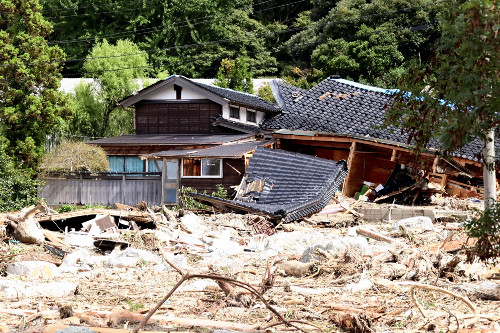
(254,113)
(234,108)
(221,174)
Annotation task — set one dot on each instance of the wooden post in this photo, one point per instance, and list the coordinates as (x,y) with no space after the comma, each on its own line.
(80,189)
(435,164)
(347,179)
(123,188)
(163,180)
(393,156)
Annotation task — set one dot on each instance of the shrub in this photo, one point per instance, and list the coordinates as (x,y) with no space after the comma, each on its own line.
(75,156)
(17,188)
(486,227)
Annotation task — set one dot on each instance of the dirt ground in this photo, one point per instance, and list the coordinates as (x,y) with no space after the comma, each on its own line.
(340,291)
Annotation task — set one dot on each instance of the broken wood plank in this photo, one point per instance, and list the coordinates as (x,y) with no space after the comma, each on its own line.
(374,235)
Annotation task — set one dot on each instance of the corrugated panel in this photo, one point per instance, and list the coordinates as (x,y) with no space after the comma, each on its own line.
(105,192)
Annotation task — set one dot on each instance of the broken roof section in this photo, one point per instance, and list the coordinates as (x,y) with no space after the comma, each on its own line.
(283,185)
(228,150)
(345,108)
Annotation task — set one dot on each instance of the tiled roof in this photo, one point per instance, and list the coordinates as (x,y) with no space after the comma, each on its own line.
(169,139)
(234,150)
(337,107)
(218,94)
(295,185)
(241,97)
(246,128)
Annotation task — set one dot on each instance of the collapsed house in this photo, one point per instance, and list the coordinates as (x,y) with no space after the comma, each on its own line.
(284,186)
(340,119)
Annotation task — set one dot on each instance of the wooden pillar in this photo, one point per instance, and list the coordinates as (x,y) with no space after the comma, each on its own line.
(123,188)
(348,178)
(393,156)
(435,164)
(163,179)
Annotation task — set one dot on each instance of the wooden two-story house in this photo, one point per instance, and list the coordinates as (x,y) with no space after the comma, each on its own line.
(197,135)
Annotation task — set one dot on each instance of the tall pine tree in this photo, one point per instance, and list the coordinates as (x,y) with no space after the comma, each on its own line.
(31,108)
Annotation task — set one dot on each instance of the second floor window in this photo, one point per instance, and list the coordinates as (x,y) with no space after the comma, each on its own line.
(234,112)
(251,116)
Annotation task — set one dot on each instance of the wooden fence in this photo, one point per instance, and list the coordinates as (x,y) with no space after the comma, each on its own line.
(102,188)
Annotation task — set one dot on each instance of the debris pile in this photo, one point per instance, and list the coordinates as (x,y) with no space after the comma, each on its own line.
(159,270)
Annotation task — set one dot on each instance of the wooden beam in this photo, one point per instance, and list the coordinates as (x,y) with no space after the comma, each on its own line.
(394,155)
(347,179)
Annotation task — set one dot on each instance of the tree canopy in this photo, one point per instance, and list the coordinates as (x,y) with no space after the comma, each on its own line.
(454,96)
(31,108)
(115,70)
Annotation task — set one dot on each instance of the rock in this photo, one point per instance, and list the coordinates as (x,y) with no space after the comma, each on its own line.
(225,248)
(193,224)
(80,260)
(297,268)
(417,224)
(19,289)
(178,259)
(290,243)
(76,329)
(390,270)
(131,257)
(362,285)
(33,269)
(200,285)
(337,245)
(487,290)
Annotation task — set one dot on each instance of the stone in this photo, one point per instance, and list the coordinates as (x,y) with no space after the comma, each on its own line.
(177,259)
(33,269)
(76,329)
(336,245)
(362,285)
(20,289)
(225,248)
(291,242)
(131,257)
(193,224)
(417,224)
(80,260)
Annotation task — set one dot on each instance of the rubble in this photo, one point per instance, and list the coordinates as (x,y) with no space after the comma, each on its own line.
(244,273)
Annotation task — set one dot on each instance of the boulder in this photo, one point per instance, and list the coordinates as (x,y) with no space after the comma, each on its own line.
(417,224)
(19,289)
(33,269)
(131,257)
(291,242)
(336,245)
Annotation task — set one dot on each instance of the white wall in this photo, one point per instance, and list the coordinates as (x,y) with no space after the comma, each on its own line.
(170,93)
(243,115)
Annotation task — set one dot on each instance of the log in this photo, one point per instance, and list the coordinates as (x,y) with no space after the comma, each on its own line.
(487,290)
(374,235)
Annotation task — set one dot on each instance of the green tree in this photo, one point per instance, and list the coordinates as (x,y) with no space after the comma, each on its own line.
(235,74)
(454,96)
(17,188)
(187,37)
(363,39)
(373,56)
(31,108)
(95,105)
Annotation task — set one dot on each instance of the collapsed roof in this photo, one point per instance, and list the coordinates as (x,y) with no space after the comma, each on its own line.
(346,108)
(284,186)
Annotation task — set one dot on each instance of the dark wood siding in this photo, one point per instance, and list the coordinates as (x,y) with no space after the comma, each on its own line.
(230,177)
(176,118)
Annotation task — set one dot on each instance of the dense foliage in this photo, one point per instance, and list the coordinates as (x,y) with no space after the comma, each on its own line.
(369,41)
(17,189)
(115,69)
(235,74)
(454,97)
(30,105)
(75,156)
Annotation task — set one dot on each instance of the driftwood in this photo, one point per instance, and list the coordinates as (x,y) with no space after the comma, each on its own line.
(444,291)
(375,235)
(224,282)
(26,228)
